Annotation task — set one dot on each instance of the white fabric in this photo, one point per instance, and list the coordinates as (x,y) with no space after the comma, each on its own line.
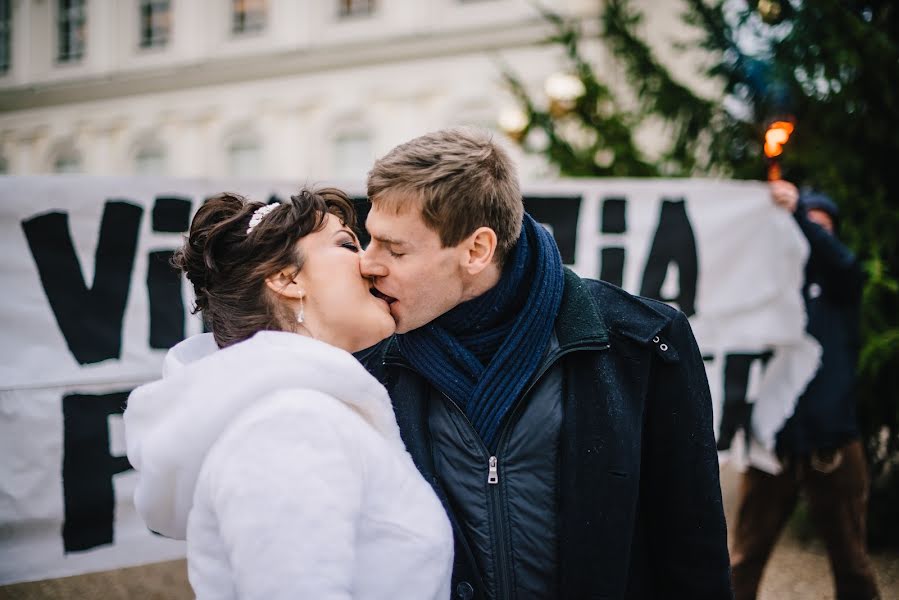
(279,459)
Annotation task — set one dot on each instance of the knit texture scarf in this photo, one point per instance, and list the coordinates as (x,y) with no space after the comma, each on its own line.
(483,352)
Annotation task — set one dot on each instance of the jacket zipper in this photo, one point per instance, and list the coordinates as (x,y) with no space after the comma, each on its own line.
(495,513)
(501,551)
(492,473)
(501,548)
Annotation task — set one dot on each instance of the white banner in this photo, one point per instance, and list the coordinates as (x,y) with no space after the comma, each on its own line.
(90,305)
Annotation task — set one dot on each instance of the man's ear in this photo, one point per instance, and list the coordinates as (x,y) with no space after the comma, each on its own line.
(285,283)
(480,249)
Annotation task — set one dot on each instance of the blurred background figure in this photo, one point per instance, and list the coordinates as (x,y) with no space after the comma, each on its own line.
(819,445)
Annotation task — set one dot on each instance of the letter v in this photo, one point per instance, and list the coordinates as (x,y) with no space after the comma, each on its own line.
(90,319)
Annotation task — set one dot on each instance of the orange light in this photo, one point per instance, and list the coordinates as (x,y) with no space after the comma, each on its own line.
(776,136)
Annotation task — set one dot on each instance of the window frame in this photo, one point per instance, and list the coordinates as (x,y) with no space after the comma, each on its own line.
(345,142)
(348,9)
(71,31)
(152,34)
(245,20)
(148,149)
(63,160)
(237,149)
(5,36)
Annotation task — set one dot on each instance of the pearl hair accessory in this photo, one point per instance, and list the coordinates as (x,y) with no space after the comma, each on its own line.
(260,214)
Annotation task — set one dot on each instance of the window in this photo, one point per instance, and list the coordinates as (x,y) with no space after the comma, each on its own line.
(5,34)
(353,156)
(355,8)
(155,23)
(67,162)
(244,158)
(72,28)
(248,16)
(150,160)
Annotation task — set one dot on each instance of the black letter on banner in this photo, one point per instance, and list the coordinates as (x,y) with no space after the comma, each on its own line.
(561,213)
(166,304)
(611,262)
(673,243)
(90,319)
(170,214)
(88,468)
(611,258)
(613,215)
(736,413)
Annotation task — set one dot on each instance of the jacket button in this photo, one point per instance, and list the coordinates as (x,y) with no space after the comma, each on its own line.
(464,591)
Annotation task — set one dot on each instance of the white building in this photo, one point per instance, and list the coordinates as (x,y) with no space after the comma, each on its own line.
(295,89)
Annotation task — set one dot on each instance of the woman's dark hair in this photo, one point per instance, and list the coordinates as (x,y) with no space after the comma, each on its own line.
(228,266)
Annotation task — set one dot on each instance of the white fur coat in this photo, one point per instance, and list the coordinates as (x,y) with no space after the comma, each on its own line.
(280,461)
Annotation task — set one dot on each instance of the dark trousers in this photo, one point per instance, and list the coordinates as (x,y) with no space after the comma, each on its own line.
(836,486)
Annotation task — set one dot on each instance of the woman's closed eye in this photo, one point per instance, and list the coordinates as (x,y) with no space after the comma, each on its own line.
(350,245)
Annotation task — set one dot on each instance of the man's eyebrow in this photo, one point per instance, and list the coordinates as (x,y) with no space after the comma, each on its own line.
(387,240)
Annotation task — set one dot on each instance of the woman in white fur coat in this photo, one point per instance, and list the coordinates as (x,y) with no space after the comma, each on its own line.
(266,445)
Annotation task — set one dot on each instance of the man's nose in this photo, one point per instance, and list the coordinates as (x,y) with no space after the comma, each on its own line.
(370,266)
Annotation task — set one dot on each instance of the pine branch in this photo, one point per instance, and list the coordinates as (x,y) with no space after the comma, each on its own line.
(596,113)
(658,93)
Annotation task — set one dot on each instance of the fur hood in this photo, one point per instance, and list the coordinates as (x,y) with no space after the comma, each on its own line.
(171,424)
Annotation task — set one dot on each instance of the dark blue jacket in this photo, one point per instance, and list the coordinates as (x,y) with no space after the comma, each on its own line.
(825,413)
(637,508)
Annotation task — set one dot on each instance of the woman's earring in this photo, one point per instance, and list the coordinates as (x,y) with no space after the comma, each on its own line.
(301,315)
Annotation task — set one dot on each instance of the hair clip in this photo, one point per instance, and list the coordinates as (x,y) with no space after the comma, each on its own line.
(260,214)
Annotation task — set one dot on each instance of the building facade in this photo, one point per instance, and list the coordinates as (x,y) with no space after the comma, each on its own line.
(304,90)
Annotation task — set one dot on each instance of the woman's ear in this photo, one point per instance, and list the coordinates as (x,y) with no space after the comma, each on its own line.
(284,283)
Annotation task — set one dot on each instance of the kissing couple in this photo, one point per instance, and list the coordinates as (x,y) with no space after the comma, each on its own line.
(446,413)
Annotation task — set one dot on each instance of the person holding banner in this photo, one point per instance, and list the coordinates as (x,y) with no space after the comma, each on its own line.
(266,445)
(566,424)
(819,445)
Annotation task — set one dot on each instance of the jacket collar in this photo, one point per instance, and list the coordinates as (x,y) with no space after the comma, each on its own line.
(580,321)
(596,310)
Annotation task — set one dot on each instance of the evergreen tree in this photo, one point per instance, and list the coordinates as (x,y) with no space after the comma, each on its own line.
(832,67)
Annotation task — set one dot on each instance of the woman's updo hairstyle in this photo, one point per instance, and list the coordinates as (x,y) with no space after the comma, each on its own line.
(228,266)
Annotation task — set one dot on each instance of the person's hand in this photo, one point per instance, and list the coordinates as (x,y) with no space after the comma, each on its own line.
(785,194)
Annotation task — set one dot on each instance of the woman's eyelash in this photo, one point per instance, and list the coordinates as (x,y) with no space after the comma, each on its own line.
(351,246)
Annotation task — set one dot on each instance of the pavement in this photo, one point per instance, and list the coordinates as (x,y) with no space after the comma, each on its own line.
(799,570)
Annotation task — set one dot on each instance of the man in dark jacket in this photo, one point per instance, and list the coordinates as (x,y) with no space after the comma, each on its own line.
(565,424)
(819,445)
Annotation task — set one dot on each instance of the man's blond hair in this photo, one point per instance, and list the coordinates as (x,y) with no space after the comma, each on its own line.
(460,178)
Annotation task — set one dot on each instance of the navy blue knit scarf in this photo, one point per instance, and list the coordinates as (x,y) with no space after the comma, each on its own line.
(483,352)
